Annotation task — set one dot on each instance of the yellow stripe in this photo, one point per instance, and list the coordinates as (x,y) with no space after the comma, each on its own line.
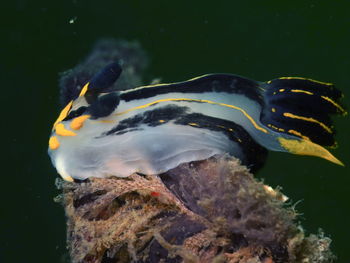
(84,89)
(193,124)
(324,126)
(276,128)
(63,113)
(312,80)
(302,91)
(197,100)
(335,104)
(294,132)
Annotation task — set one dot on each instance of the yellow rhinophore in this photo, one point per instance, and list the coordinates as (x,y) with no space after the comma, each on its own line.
(306,147)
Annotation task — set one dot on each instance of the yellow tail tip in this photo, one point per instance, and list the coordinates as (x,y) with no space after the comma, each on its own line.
(306,147)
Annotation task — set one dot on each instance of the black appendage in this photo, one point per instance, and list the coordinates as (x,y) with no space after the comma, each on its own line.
(104,80)
(103,105)
(302,105)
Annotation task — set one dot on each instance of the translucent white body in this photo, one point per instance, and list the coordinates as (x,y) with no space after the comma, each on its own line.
(153,150)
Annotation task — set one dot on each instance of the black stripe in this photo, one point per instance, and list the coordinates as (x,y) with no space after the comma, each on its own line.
(209,83)
(150,118)
(75,113)
(255,154)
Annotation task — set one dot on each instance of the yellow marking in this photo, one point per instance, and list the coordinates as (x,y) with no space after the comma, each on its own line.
(67,178)
(193,124)
(161,121)
(269,82)
(230,130)
(294,132)
(334,146)
(220,126)
(312,80)
(261,88)
(164,84)
(273,110)
(84,89)
(63,113)
(78,122)
(302,91)
(195,78)
(274,93)
(306,147)
(239,140)
(276,128)
(324,126)
(61,130)
(54,143)
(103,121)
(197,100)
(335,104)
(281,90)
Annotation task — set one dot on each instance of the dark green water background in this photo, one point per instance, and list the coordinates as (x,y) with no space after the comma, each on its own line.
(258,39)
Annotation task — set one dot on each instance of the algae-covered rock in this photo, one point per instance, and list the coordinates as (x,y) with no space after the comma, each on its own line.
(205,211)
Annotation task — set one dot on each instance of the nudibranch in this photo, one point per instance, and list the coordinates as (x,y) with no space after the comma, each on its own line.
(151,129)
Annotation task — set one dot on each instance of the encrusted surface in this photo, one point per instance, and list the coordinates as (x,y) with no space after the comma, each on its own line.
(208,211)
